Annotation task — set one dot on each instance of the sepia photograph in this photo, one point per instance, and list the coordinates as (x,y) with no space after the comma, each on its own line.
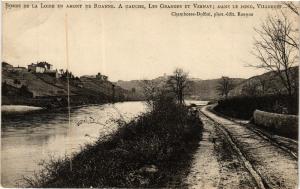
(150,94)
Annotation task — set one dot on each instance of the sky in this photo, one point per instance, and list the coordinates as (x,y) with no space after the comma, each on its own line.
(131,44)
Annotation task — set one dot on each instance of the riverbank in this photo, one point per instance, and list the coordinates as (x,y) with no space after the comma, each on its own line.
(9,109)
(154,150)
(54,102)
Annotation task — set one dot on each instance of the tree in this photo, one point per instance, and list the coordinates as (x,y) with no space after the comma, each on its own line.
(158,97)
(292,7)
(178,83)
(67,74)
(225,85)
(150,90)
(276,48)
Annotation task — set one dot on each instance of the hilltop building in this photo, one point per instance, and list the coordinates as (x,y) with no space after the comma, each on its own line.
(98,76)
(43,67)
(40,67)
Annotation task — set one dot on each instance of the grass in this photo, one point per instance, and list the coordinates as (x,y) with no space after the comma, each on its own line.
(154,150)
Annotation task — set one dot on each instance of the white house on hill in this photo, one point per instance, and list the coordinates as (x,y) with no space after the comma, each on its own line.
(40,67)
(43,67)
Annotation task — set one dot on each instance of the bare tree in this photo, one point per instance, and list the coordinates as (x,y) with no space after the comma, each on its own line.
(178,83)
(292,7)
(277,48)
(225,85)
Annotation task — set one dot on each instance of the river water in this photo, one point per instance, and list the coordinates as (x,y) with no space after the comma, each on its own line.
(27,140)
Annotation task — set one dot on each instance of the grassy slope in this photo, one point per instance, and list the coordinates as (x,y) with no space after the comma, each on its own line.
(34,83)
(273,82)
(80,90)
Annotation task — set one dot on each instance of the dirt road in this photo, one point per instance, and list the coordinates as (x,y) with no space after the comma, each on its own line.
(233,156)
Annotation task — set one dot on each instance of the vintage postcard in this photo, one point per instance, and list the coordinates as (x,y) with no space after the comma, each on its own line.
(149,94)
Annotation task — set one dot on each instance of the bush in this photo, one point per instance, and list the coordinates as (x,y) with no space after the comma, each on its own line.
(243,106)
(147,152)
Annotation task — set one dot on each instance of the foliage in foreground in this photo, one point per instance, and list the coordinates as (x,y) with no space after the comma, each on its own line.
(150,151)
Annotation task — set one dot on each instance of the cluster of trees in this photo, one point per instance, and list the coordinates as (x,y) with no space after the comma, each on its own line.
(225,85)
(174,89)
(177,83)
(67,74)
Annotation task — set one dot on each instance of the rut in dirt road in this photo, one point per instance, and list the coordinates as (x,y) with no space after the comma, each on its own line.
(275,167)
(216,164)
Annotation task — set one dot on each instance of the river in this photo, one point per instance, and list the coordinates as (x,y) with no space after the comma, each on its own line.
(27,140)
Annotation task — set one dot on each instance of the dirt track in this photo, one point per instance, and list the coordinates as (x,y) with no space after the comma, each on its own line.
(233,156)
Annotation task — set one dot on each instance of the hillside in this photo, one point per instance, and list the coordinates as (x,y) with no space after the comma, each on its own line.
(197,88)
(133,85)
(136,86)
(42,89)
(207,89)
(267,83)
